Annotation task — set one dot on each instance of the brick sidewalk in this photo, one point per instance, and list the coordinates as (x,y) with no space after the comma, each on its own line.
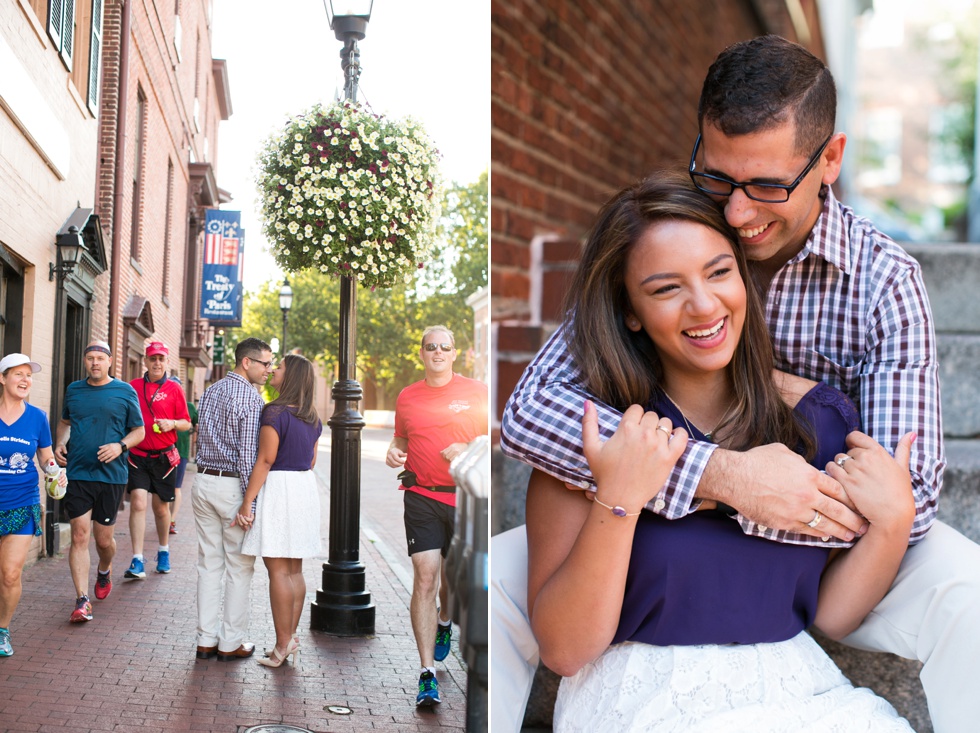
(133,667)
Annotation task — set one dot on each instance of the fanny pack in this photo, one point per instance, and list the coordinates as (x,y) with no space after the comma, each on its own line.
(410,480)
(172,454)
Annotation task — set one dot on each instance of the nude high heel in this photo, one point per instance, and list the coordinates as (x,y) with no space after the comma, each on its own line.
(275,658)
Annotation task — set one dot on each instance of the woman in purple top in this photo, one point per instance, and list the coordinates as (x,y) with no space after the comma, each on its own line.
(691,625)
(286,525)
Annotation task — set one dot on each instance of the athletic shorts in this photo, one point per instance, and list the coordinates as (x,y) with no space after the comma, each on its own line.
(100,498)
(22,520)
(181,471)
(155,475)
(429,525)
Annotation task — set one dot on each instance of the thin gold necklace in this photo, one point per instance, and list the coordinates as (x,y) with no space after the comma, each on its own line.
(690,426)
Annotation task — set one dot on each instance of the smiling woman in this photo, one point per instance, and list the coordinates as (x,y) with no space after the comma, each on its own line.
(666,330)
(24,433)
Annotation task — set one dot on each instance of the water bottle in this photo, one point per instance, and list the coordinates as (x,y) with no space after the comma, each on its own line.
(52,472)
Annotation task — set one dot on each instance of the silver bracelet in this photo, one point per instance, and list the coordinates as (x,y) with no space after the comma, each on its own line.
(616,510)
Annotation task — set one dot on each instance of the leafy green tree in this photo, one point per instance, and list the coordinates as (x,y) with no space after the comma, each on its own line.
(464,229)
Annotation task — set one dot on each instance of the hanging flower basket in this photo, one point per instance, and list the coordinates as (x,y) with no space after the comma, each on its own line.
(349,192)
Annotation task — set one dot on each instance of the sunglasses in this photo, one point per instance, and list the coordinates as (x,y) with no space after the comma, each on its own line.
(433,347)
(266,364)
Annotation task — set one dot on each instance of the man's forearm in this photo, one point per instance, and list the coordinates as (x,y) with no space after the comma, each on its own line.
(63,434)
(134,437)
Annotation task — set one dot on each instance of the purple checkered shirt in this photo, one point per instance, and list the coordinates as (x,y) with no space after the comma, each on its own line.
(228,426)
(850,309)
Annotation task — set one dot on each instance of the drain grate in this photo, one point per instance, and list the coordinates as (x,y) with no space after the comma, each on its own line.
(276,728)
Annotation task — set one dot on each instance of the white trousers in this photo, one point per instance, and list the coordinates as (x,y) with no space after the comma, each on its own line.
(931,613)
(221,564)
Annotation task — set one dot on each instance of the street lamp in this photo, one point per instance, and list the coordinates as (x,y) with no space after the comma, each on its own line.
(343,607)
(285,303)
(70,247)
(349,19)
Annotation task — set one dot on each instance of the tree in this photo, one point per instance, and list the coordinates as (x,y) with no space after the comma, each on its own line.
(464,229)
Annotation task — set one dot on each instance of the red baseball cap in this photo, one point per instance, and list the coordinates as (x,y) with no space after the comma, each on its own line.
(157,347)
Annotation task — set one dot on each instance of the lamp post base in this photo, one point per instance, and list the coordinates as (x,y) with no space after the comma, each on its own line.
(343,607)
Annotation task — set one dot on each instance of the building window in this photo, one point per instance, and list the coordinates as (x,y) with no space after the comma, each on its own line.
(167,230)
(946,159)
(880,149)
(11,307)
(139,145)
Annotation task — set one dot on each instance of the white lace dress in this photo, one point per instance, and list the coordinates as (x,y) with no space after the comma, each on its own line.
(783,687)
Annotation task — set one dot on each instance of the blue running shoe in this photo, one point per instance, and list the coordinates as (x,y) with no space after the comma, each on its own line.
(444,637)
(163,561)
(428,690)
(5,649)
(136,570)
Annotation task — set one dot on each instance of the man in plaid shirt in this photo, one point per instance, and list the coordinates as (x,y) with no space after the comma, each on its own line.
(227,443)
(845,305)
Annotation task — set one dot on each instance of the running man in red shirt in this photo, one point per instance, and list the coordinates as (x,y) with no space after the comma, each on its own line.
(434,421)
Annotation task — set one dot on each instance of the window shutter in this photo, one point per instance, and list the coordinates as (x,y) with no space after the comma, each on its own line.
(95,58)
(68,32)
(61,28)
(56,12)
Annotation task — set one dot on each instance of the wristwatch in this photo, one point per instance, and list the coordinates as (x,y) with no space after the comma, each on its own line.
(124,446)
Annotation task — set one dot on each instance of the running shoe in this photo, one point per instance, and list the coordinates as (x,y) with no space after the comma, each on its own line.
(103,585)
(163,561)
(173,528)
(136,570)
(5,649)
(444,637)
(428,690)
(82,612)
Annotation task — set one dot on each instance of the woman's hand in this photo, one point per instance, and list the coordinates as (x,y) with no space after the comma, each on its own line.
(630,467)
(879,485)
(244,518)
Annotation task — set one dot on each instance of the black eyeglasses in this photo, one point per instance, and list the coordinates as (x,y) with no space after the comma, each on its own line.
(266,364)
(433,347)
(767,193)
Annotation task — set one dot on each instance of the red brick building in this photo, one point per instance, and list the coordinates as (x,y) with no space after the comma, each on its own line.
(109,114)
(588,96)
(163,98)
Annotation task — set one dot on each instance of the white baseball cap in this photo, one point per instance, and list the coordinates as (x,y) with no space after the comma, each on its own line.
(15,360)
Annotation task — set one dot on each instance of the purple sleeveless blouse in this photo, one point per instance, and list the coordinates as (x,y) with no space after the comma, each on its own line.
(700,580)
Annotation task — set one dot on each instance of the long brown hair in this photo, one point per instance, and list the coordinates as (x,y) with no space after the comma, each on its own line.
(622,367)
(296,389)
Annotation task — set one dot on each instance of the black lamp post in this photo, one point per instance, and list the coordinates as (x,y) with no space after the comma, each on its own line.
(70,246)
(285,303)
(343,607)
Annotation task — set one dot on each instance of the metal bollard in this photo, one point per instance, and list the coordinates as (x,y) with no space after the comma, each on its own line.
(467,573)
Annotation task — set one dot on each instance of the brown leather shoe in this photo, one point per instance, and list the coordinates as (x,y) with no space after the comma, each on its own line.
(245,650)
(206,652)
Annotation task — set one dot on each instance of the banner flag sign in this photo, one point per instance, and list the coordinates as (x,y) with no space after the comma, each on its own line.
(224,262)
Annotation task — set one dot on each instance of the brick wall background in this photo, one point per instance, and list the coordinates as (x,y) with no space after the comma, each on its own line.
(587,97)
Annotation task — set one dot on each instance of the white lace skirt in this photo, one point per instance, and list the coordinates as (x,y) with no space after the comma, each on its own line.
(788,686)
(287,517)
